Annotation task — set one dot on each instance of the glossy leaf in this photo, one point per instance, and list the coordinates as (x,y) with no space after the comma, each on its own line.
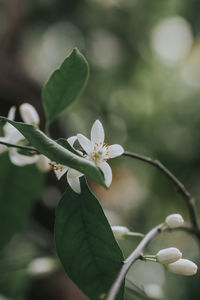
(85,243)
(65,85)
(20,187)
(56,152)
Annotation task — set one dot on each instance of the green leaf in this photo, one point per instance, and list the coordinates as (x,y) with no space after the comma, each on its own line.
(65,85)
(85,243)
(20,187)
(56,152)
(64,143)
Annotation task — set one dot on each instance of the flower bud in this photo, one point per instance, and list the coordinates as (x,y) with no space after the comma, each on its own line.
(174,220)
(168,255)
(183,267)
(29,114)
(120,232)
(43,163)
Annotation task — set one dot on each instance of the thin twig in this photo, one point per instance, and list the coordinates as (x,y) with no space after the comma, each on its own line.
(28,148)
(174,179)
(138,254)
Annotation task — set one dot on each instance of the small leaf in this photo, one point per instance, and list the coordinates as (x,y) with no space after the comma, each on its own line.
(65,85)
(20,187)
(85,243)
(56,152)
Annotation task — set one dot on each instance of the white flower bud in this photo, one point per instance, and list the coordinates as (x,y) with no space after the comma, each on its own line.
(43,163)
(183,267)
(29,114)
(168,255)
(174,220)
(120,231)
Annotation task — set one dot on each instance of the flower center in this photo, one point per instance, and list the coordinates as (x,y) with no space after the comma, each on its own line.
(56,167)
(100,152)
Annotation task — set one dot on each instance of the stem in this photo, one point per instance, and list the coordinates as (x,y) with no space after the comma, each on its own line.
(136,234)
(174,179)
(138,253)
(20,147)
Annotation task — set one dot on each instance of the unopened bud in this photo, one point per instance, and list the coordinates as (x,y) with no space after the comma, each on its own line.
(183,267)
(29,114)
(174,220)
(168,255)
(120,231)
(43,163)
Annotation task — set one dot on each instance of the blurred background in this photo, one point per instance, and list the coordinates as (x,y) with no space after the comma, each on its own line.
(144,86)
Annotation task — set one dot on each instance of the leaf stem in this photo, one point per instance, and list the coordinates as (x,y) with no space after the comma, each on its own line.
(185,193)
(28,148)
(136,234)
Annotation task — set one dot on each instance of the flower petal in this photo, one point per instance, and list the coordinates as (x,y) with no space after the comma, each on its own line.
(29,114)
(106,169)
(73,180)
(85,143)
(11,113)
(20,159)
(115,150)
(43,163)
(71,140)
(97,132)
(3,148)
(60,172)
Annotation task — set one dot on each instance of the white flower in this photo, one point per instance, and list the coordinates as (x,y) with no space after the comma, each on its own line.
(13,136)
(168,255)
(174,220)
(183,267)
(99,152)
(72,174)
(120,231)
(29,114)
(43,163)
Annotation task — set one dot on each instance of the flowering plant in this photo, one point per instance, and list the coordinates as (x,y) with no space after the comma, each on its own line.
(93,258)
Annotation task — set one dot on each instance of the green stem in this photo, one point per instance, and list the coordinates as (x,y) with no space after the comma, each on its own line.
(28,148)
(136,234)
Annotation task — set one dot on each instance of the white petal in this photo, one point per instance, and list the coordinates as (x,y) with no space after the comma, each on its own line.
(85,143)
(29,114)
(115,150)
(43,163)
(11,113)
(71,140)
(3,148)
(20,159)
(106,169)
(74,173)
(97,132)
(74,182)
(60,172)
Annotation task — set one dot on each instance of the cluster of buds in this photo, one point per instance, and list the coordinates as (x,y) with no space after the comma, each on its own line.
(172,257)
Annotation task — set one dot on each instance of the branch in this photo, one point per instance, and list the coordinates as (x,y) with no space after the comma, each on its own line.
(138,254)
(188,197)
(31,149)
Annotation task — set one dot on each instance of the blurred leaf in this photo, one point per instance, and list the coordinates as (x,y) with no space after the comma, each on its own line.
(65,85)
(57,153)
(20,187)
(85,243)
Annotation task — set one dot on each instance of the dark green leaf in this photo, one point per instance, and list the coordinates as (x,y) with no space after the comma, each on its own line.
(56,152)
(85,243)
(64,143)
(20,187)
(65,85)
